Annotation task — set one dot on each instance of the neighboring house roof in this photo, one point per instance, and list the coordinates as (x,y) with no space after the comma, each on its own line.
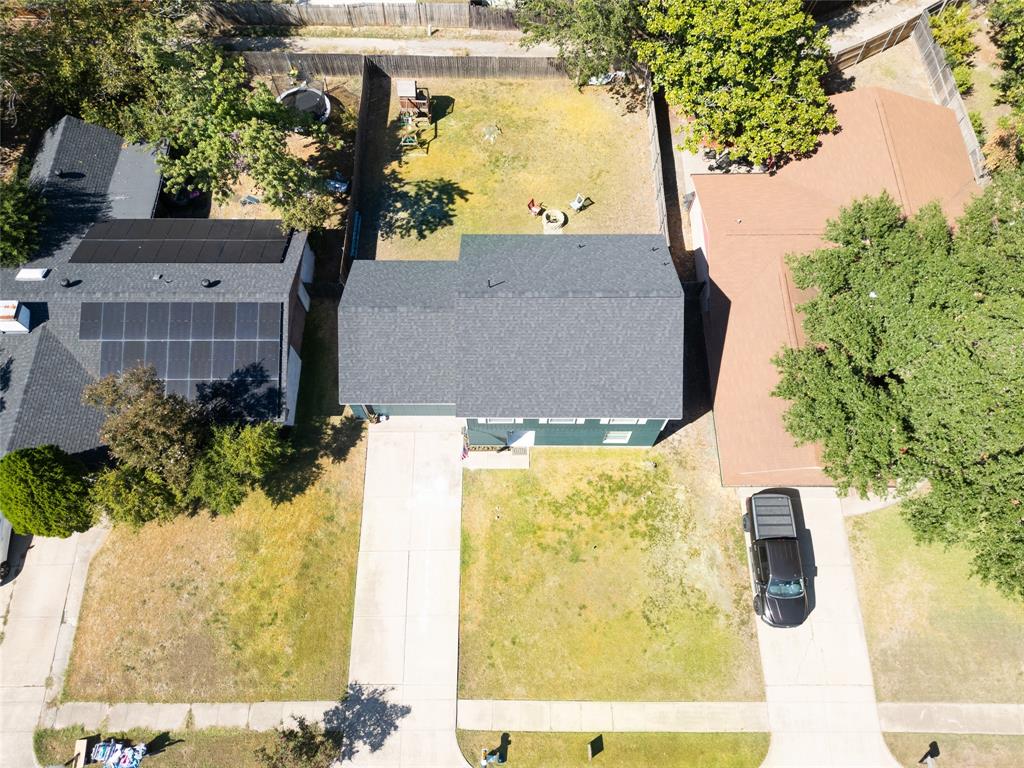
(87,174)
(521,325)
(910,148)
(35,383)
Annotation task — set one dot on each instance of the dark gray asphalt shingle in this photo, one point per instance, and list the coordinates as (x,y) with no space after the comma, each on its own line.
(555,333)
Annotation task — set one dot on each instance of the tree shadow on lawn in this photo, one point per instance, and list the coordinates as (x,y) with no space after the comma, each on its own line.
(416,208)
(364,718)
(312,442)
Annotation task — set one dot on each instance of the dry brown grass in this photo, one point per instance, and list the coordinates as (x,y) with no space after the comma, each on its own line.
(968,751)
(899,69)
(555,141)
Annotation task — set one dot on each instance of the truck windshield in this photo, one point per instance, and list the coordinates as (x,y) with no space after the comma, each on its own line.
(785,587)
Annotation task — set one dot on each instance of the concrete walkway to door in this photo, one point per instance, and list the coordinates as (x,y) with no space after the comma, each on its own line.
(405,634)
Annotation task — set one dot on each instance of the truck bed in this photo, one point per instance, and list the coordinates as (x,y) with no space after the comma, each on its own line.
(772,514)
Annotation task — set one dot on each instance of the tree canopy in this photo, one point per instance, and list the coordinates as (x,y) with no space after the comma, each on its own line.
(148,430)
(913,372)
(593,37)
(43,492)
(20,212)
(747,75)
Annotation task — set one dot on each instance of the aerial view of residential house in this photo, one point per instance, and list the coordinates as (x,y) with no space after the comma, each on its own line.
(216,307)
(745,226)
(534,339)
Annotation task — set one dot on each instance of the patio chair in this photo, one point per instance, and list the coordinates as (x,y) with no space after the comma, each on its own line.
(580,202)
(535,208)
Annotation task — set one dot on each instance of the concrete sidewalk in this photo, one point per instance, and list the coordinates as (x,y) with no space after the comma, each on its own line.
(946,717)
(611,716)
(42,613)
(405,632)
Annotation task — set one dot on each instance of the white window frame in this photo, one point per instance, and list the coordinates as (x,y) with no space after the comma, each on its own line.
(630,422)
(561,421)
(617,437)
(500,421)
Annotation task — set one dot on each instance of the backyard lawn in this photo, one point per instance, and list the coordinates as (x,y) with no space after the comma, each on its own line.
(213,748)
(250,606)
(970,751)
(623,750)
(550,142)
(606,574)
(934,632)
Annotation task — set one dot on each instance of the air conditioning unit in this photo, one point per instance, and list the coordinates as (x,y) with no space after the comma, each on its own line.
(14,317)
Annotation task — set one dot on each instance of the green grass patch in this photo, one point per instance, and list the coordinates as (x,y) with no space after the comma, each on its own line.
(623,750)
(926,616)
(968,750)
(605,574)
(553,142)
(212,748)
(255,605)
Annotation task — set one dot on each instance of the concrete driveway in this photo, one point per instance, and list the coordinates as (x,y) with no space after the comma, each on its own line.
(818,682)
(405,632)
(42,604)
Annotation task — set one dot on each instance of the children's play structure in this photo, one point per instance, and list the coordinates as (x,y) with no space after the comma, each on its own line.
(414,115)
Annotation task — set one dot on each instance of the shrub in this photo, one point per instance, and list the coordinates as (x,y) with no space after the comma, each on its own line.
(954,30)
(43,492)
(1003,150)
(978,124)
(132,496)
(237,460)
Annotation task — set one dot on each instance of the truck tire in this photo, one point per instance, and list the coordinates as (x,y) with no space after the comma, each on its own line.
(758,605)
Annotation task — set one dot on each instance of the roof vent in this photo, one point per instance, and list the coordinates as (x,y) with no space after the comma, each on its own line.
(14,317)
(32,274)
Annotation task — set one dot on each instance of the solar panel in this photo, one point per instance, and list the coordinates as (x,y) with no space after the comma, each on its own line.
(183,241)
(194,346)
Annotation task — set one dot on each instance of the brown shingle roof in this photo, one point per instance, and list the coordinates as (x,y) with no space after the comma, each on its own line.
(912,149)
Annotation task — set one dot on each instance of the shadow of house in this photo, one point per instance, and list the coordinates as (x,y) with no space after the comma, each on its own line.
(365,718)
(697,397)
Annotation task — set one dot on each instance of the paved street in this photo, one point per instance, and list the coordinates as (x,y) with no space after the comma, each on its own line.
(818,683)
(405,634)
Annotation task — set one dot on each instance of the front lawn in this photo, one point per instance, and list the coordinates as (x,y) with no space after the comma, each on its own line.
(970,751)
(623,750)
(606,574)
(935,633)
(250,606)
(213,748)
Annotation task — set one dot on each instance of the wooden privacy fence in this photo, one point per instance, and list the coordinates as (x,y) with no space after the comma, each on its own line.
(461,15)
(884,40)
(945,92)
(657,171)
(311,65)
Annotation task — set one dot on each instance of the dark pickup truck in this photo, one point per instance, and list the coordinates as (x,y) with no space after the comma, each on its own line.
(780,594)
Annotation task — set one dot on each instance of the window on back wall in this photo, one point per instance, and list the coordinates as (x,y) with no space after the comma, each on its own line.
(561,421)
(617,438)
(624,421)
(500,421)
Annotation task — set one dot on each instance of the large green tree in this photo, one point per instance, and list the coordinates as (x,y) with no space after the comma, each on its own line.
(21,210)
(593,37)
(913,371)
(746,74)
(238,458)
(43,492)
(147,430)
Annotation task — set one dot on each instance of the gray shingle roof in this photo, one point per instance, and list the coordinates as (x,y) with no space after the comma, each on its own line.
(559,331)
(87,173)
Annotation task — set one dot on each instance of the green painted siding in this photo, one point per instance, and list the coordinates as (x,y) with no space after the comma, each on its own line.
(414,409)
(591,432)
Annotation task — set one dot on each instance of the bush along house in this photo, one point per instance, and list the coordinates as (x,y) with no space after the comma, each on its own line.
(533,340)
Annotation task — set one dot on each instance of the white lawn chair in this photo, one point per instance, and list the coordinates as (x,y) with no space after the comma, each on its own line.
(580,202)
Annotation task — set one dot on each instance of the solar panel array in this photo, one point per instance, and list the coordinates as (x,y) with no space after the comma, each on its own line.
(189,344)
(183,241)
